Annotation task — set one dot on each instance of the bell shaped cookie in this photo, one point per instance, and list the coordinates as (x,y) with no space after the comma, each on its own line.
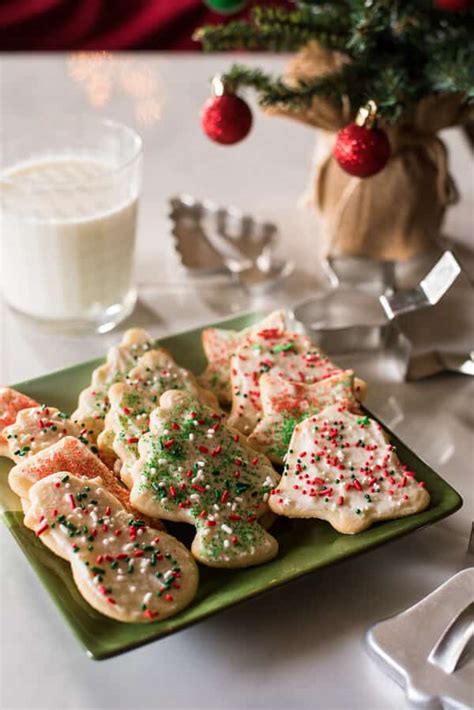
(341,468)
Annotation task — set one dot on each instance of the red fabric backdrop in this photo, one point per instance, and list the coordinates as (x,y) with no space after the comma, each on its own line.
(103,24)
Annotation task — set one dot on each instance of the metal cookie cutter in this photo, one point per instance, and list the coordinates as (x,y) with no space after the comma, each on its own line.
(348,318)
(428,648)
(211,239)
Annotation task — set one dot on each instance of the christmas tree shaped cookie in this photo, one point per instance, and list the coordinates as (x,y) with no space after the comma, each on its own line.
(132,401)
(69,454)
(193,469)
(93,401)
(290,356)
(11,402)
(35,429)
(122,568)
(286,403)
(220,344)
(340,468)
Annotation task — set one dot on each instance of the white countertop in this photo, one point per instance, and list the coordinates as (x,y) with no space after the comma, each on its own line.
(300,646)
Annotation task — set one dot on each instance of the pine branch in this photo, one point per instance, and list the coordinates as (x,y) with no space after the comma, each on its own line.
(275,92)
(451,70)
(275,29)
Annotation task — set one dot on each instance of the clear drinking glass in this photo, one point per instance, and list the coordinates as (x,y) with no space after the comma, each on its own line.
(68,199)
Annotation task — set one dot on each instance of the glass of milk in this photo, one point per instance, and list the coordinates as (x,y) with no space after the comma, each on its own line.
(68,198)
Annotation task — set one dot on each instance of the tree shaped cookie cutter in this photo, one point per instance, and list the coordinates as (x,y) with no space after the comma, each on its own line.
(428,648)
(344,318)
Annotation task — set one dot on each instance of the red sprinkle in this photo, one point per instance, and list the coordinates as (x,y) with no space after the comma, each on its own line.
(210,523)
(150,614)
(42,529)
(168,444)
(340,500)
(72,502)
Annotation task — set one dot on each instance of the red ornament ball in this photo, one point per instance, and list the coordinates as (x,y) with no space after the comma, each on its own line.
(361,151)
(226,119)
(453,5)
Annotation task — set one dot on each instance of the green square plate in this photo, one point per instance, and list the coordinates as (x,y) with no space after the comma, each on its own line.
(304,545)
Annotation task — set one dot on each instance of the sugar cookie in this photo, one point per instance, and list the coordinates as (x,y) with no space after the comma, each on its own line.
(192,468)
(93,401)
(132,401)
(340,468)
(288,355)
(285,403)
(11,402)
(36,429)
(220,344)
(121,567)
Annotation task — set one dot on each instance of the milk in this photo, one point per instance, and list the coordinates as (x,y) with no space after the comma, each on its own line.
(67,236)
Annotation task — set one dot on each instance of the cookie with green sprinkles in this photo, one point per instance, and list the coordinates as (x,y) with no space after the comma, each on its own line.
(35,429)
(11,402)
(193,468)
(93,402)
(69,454)
(286,403)
(122,568)
(341,468)
(220,344)
(132,401)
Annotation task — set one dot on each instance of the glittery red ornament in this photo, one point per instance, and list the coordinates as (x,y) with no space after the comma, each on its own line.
(226,119)
(361,149)
(452,5)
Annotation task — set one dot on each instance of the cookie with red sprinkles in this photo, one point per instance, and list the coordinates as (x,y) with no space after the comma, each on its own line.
(341,468)
(193,468)
(132,401)
(122,568)
(286,403)
(290,356)
(11,402)
(35,429)
(69,454)
(93,402)
(220,344)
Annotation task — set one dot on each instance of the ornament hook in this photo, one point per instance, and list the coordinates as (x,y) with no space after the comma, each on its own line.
(367,115)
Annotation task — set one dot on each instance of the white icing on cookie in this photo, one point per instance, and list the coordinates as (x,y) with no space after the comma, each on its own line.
(35,429)
(286,403)
(290,356)
(219,345)
(132,401)
(192,468)
(340,468)
(93,401)
(122,568)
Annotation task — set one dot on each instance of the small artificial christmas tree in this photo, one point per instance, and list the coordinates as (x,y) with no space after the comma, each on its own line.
(409,65)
